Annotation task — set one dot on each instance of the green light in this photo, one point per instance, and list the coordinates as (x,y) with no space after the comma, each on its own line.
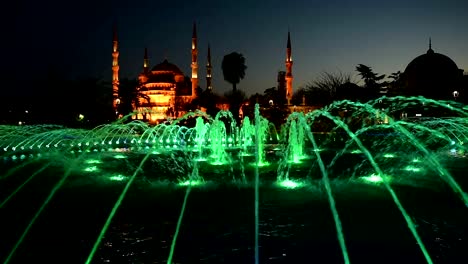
(289,184)
(389,156)
(114,210)
(373,178)
(411,168)
(118,156)
(93,161)
(191,183)
(91,169)
(118,177)
(295,161)
(23,184)
(356,151)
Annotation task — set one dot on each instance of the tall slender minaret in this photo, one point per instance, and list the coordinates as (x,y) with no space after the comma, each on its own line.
(208,70)
(115,70)
(146,61)
(289,76)
(194,61)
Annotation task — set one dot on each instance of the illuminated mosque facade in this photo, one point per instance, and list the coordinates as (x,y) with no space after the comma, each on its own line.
(163,86)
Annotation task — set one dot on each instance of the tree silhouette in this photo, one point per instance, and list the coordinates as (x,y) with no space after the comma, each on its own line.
(93,102)
(396,85)
(233,67)
(324,89)
(130,95)
(208,99)
(235,99)
(372,81)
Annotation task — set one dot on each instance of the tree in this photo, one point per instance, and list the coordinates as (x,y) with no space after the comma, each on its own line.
(207,99)
(235,99)
(373,82)
(323,90)
(93,102)
(396,85)
(274,95)
(349,91)
(130,95)
(277,110)
(233,67)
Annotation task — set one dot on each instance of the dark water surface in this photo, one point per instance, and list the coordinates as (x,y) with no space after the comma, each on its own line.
(296,226)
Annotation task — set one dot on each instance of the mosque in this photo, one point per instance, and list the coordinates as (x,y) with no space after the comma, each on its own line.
(165,86)
(433,75)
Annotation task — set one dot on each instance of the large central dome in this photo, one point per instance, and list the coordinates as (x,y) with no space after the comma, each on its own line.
(432,75)
(166,66)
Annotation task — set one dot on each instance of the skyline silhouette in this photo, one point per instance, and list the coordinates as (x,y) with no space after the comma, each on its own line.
(332,36)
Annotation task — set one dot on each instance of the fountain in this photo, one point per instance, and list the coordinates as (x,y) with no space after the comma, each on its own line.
(220,190)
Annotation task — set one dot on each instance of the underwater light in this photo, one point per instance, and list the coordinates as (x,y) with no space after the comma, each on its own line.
(411,168)
(374,178)
(93,161)
(118,177)
(91,169)
(289,184)
(191,183)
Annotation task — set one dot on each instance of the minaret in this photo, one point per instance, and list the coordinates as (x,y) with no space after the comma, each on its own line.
(208,71)
(146,62)
(194,61)
(289,76)
(115,70)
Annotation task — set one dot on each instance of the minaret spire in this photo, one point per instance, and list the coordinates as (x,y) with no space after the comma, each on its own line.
(289,76)
(194,30)
(115,69)
(145,61)
(430,46)
(194,64)
(208,70)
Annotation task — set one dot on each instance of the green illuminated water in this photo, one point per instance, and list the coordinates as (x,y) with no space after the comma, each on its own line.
(258,160)
(391,151)
(54,190)
(114,211)
(24,184)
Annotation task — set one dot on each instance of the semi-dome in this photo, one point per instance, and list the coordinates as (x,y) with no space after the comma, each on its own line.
(166,66)
(432,75)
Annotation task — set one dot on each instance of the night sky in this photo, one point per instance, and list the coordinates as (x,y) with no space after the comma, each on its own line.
(76,36)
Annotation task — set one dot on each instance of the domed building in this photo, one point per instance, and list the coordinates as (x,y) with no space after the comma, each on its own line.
(164,87)
(433,75)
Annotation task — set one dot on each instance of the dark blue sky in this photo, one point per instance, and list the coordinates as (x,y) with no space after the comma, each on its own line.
(76,36)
